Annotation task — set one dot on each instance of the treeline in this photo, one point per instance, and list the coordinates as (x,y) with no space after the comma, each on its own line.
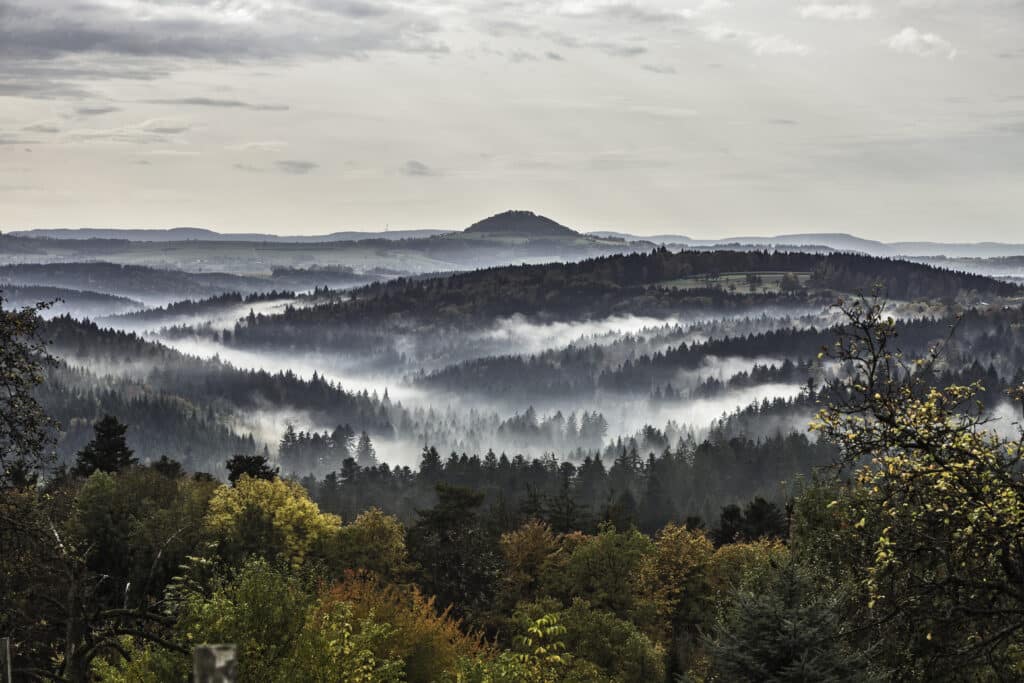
(161,285)
(632,282)
(212,304)
(992,337)
(642,480)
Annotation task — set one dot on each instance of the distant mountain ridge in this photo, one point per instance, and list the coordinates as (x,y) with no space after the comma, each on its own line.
(527,224)
(205,235)
(837,242)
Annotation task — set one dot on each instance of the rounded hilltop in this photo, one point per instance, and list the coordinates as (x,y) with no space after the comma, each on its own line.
(520,223)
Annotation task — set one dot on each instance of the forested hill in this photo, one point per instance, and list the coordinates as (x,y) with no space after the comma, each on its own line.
(147,384)
(655,283)
(522,223)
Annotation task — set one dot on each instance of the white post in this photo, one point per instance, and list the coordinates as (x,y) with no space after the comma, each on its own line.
(5,661)
(214,664)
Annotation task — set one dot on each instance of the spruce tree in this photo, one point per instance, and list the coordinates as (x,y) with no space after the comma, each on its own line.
(366,456)
(786,629)
(108,451)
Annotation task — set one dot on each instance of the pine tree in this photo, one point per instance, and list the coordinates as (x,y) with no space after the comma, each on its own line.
(255,466)
(787,630)
(366,456)
(107,452)
(342,438)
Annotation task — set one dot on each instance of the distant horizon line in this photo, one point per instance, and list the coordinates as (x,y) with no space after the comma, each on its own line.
(729,238)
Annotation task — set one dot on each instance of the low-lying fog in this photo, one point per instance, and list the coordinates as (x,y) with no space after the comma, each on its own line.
(453,421)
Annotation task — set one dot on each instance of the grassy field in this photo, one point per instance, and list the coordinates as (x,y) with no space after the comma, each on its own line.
(767,281)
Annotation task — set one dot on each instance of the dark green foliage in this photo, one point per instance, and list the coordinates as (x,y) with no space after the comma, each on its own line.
(107,452)
(26,431)
(786,627)
(459,556)
(171,469)
(690,480)
(759,519)
(254,466)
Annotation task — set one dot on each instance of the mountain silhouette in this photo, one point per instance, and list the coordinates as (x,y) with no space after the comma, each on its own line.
(520,223)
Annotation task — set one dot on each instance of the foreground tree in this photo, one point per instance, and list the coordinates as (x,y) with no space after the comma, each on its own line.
(283,630)
(935,521)
(785,628)
(82,569)
(26,432)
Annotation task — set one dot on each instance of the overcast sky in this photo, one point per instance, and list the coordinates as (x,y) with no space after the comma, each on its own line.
(892,119)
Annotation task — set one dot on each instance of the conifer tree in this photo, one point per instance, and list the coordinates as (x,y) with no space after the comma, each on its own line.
(786,630)
(366,456)
(108,451)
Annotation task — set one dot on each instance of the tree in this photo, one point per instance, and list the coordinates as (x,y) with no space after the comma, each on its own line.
(254,466)
(284,630)
(26,432)
(790,283)
(934,521)
(730,525)
(602,645)
(526,552)
(763,519)
(374,542)
(168,467)
(602,569)
(83,573)
(459,556)
(786,630)
(273,519)
(429,641)
(674,591)
(366,456)
(107,452)
(759,519)
(342,438)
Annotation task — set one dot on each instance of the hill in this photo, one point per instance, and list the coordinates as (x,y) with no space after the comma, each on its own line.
(657,284)
(520,224)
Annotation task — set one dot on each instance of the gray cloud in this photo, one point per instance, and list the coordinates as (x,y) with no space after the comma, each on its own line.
(507,27)
(837,12)
(663,69)
(417,168)
(41,128)
(148,132)
(631,13)
(296,167)
(248,168)
(95,111)
(32,88)
(166,130)
(15,140)
(210,29)
(227,104)
(518,56)
(610,48)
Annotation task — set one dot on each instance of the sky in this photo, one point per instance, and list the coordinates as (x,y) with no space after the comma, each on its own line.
(890,119)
